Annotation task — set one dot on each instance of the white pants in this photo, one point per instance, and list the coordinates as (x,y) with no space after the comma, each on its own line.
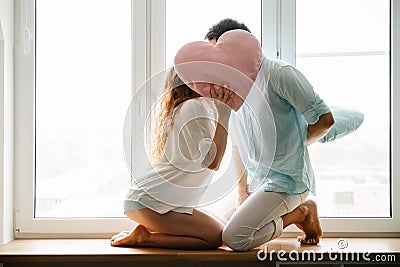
(258,220)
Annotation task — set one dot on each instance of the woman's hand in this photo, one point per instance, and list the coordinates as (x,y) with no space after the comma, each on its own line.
(223,105)
(224,102)
(222,94)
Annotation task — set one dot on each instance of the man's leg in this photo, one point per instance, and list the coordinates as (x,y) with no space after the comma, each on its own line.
(305,217)
(258,219)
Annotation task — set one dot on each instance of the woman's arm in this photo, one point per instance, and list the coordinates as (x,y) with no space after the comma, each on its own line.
(223,103)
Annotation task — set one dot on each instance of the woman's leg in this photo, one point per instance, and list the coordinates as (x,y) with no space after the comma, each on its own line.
(259,220)
(214,215)
(171,230)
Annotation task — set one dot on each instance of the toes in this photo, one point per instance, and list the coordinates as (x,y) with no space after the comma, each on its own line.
(113,241)
(116,239)
(113,238)
(302,239)
(133,238)
(114,244)
(306,240)
(310,241)
(120,234)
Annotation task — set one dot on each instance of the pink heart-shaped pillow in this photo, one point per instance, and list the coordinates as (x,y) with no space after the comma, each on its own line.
(233,62)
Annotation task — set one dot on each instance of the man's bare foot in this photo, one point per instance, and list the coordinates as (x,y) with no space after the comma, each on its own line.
(136,237)
(309,224)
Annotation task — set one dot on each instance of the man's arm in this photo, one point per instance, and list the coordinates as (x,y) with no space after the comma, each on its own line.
(296,89)
(318,130)
(242,194)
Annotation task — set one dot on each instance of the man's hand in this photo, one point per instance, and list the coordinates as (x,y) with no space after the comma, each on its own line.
(241,171)
(320,128)
(241,197)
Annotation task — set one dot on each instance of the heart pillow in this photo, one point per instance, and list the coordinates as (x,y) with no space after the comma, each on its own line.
(233,62)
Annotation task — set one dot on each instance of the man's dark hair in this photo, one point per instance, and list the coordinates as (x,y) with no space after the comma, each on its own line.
(223,26)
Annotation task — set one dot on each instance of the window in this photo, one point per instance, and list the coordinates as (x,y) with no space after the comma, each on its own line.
(82,71)
(343,49)
(83,87)
(188,21)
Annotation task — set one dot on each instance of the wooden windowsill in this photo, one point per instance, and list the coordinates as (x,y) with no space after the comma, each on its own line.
(99,250)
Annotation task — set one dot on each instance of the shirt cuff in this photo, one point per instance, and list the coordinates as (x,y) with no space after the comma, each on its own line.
(312,114)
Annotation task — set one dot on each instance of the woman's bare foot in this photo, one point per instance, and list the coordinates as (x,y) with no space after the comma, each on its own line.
(309,224)
(136,237)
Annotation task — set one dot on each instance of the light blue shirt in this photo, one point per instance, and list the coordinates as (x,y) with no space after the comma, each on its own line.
(270,129)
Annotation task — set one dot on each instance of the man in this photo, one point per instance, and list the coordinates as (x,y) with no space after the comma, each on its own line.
(299,118)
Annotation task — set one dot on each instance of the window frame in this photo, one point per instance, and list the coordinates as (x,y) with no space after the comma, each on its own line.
(148,58)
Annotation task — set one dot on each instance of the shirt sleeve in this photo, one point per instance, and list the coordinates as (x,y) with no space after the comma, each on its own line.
(297,90)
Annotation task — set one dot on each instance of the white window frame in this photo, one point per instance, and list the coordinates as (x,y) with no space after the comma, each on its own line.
(148,58)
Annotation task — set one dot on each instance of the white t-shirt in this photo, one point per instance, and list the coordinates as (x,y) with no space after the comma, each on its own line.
(178,180)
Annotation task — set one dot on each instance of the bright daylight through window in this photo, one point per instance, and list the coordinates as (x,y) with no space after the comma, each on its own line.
(83,88)
(342,47)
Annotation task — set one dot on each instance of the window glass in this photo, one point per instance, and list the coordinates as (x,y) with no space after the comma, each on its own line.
(189,20)
(83,88)
(342,46)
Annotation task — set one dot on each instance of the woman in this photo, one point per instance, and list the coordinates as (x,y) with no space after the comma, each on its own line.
(190,141)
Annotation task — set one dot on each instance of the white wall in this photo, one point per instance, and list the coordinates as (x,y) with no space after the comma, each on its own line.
(7,123)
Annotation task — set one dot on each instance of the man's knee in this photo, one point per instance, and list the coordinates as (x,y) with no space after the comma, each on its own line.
(231,239)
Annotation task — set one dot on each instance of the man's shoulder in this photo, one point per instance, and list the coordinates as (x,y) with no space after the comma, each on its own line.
(277,69)
(276,63)
(274,67)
